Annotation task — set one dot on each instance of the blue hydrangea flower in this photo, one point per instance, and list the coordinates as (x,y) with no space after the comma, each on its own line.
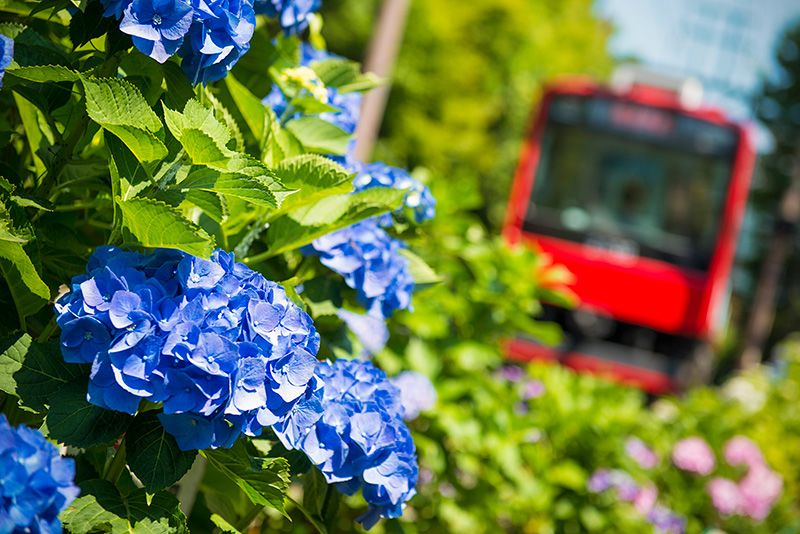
(369,260)
(361,441)
(219,36)
(222,348)
(157,27)
(210,35)
(418,199)
(293,15)
(416,393)
(36,483)
(6,54)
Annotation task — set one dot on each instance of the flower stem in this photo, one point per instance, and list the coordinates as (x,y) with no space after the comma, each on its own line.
(117,464)
(48,331)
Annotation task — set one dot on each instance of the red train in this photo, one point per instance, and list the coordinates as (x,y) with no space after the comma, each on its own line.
(640,192)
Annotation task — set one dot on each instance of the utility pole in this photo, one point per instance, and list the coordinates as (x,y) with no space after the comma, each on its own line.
(384,46)
(762,311)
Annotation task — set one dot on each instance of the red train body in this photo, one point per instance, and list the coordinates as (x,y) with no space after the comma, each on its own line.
(642,198)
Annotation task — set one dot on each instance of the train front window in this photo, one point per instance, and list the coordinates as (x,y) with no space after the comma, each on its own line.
(639,194)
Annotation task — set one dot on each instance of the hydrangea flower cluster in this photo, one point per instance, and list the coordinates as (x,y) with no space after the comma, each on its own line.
(36,483)
(693,455)
(644,499)
(418,197)
(361,441)
(368,259)
(741,450)
(221,347)
(6,54)
(210,35)
(638,451)
(755,494)
(292,15)
(725,496)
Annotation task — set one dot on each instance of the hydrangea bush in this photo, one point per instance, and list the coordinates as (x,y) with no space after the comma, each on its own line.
(193,267)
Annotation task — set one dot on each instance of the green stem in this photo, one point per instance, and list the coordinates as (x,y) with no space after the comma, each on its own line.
(258,257)
(117,464)
(48,331)
(80,206)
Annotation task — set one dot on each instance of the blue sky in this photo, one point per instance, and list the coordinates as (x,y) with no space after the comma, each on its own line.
(728,44)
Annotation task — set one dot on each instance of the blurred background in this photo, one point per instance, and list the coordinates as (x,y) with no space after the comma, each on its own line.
(633,295)
(467,80)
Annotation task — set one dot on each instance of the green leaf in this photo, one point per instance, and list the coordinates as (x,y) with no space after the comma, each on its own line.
(202,148)
(308,105)
(345,75)
(242,164)
(45,73)
(145,145)
(10,29)
(223,525)
(197,117)
(223,114)
(233,184)
(153,454)
(265,481)
(118,102)
(13,349)
(279,143)
(128,176)
(421,272)
(301,226)
(251,108)
(155,224)
(102,508)
(31,48)
(120,108)
(179,89)
(319,505)
(33,371)
(28,290)
(37,140)
(317,135)
(74,421)
(211,203)
(88,24)
(314,177)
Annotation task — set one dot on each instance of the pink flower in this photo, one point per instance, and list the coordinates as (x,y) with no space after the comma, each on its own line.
(760,489)
(693,455)
(641,453)
(725,496)
(646,499)
(742,451)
